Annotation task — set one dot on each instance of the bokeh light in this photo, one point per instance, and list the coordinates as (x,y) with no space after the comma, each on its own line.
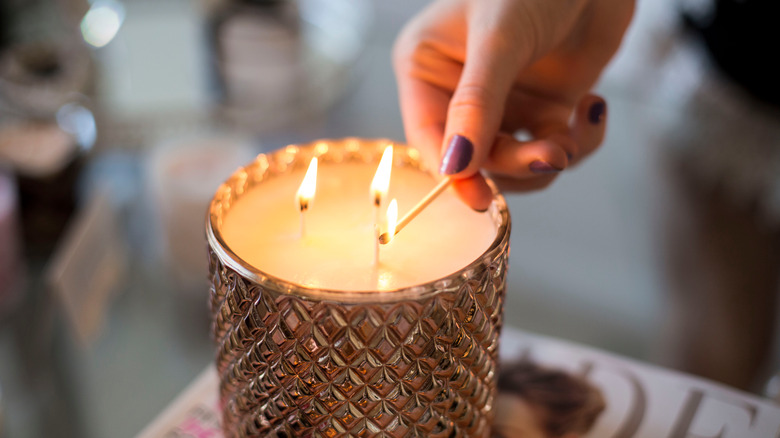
(102,22)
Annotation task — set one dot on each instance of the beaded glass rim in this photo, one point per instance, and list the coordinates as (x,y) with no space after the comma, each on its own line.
(334,151)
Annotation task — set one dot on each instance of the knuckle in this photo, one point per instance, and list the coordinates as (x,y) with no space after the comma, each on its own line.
(401,54)
(472,96)
(406,44)
(501,44)
(413,52)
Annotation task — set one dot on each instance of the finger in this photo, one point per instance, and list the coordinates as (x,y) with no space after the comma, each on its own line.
(426,70)
(476,109)
(590,123)
(474,191)
(420,103)
(544,118)
(529,159)
(423,109)
(553,125)
(508,184)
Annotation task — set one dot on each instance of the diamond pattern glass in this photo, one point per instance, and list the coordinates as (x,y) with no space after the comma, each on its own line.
(295,361)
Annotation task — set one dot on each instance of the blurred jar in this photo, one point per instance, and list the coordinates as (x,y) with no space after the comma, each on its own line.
(281,63)
(257,49)
(46,128)
(183,175)
(47,158)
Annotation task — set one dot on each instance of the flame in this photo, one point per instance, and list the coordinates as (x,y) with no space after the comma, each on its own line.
(392,219)
(381,181)
(308,186)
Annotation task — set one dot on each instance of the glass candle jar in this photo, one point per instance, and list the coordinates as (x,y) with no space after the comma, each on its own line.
(296,360)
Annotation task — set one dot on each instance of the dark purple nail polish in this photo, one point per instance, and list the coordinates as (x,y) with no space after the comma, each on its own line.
(596,112)
(458,155)
(542,167)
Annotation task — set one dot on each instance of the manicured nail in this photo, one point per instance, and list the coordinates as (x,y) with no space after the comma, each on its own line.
(596,112)
(458,155)
(542,167)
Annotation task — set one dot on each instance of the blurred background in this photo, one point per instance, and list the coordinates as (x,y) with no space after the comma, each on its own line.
(118,120)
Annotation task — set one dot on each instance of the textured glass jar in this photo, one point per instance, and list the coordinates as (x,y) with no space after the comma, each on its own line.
(296,361)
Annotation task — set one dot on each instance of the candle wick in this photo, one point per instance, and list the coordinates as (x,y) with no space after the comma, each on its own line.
(304,207)
(377,215)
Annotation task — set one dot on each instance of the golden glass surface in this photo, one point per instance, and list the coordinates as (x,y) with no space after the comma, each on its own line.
(297,361)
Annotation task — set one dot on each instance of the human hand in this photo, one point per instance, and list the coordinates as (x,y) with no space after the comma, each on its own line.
(474,72)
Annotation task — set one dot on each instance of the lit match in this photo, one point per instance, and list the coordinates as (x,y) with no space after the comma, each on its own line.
(388,235)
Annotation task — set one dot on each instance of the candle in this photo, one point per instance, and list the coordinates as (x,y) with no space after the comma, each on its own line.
(316,338)
(337,251)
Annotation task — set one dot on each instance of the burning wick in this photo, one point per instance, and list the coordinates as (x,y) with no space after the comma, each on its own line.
(306,192)
(388,235)
(379,187)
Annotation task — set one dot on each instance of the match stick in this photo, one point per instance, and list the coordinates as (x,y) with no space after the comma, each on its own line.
(442,186)
(376,245)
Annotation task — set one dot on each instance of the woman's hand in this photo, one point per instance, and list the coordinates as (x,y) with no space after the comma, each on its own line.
(471,73)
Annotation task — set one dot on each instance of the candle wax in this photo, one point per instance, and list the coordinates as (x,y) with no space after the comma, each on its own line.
(337,252)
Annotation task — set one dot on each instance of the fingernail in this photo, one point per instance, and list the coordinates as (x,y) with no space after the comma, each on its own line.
(457,156)
(542,167)
(596,112)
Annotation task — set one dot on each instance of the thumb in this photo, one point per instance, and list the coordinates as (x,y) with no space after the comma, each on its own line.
(477,105)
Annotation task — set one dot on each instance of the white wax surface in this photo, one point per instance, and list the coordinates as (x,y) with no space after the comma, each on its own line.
(337,253)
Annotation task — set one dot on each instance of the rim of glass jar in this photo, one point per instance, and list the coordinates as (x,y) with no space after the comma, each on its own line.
(498,209)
